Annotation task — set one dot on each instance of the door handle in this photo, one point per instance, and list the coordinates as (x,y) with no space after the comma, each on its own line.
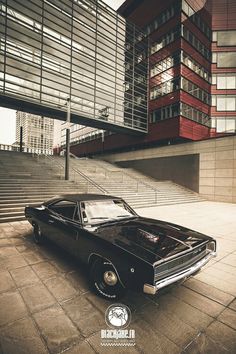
(50,221)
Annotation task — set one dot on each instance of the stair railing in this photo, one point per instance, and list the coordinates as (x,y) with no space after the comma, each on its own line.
(76,173)
(138,183)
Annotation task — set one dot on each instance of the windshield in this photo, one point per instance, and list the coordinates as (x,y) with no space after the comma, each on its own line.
(102,210)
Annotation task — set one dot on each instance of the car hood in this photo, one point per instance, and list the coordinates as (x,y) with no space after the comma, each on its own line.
(150,239)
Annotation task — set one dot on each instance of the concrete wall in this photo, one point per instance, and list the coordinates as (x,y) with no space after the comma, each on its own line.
(183,170)
(217,164)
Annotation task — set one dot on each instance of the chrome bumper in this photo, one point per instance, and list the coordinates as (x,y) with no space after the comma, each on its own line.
(152,289)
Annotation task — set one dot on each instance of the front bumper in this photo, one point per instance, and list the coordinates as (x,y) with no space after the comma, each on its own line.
(152,289)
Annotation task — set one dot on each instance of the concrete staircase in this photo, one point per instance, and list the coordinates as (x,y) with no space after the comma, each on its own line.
(136,188)
(27,180)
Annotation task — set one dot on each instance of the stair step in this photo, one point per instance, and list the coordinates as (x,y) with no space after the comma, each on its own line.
(9,218)
(13,213)
(26,180)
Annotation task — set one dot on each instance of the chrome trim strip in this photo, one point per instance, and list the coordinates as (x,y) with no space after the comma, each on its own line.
(180,253)
(180,241)
(152,289)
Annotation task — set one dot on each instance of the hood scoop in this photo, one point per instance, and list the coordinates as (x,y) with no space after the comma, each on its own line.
(145,235)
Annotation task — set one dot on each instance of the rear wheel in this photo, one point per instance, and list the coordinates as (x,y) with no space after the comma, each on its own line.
(38,236)
(105,280)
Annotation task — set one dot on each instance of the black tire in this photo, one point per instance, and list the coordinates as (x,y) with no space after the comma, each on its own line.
(38,236)
(111,289)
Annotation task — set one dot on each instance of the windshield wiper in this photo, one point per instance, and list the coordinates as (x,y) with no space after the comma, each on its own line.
(110,221)
(100,217)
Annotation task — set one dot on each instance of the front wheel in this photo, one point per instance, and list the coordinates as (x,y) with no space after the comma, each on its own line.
(105,280)
(38,236)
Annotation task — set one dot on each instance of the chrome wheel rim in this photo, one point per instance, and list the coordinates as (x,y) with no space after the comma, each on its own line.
(110,278)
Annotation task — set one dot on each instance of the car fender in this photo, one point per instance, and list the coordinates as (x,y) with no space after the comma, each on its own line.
(132,272)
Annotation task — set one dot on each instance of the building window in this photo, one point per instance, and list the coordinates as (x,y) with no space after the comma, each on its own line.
(225,59)
(165,40)
(194,114)
(197,68)
(180,109)
(187,9)
(165,64)
(225,38)
(224,103)
(195,90)
(194,41)
(165,113)
(224,125)
(224,82)
(162,18)
(165,88)
(196,19)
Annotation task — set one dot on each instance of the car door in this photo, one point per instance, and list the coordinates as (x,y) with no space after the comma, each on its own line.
(64,229)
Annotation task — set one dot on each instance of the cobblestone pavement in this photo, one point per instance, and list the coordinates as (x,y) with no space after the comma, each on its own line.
(46,305)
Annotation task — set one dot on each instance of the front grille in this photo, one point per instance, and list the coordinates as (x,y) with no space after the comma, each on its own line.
(179,263)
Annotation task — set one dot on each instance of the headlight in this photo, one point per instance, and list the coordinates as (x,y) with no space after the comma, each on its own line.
(211,246)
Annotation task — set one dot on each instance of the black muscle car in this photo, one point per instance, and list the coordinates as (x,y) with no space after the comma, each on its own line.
(122,249)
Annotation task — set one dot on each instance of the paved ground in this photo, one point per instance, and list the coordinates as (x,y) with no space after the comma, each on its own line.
(47,307)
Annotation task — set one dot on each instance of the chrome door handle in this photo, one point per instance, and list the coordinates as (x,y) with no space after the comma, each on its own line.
(50,221)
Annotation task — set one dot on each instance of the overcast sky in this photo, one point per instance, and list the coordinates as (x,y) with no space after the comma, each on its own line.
(8,116)
(115,4)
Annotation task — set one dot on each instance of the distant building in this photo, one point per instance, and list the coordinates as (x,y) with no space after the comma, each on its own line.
(38,132)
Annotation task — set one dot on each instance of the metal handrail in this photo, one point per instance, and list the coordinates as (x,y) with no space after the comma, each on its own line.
(106,173)
(88,179)
(128,175)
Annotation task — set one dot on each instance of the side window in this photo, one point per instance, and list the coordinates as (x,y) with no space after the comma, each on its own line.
(65,208)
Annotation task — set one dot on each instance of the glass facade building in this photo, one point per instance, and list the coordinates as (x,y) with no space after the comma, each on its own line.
(79,49)
(192,72)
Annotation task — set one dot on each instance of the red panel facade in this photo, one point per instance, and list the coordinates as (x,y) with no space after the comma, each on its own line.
(165,52)
(168,129)
(192,130)
(194,102)
(164,100)
(143,12)
(223,14)
(193,52)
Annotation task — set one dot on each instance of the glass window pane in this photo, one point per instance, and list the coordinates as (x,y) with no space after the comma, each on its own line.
(230,125)
(221,103)
(220,125)
(231,82)
(221,82)
(230,103)
(226,38)
(226,60)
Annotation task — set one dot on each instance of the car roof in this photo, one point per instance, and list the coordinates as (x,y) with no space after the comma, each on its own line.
(80,197)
